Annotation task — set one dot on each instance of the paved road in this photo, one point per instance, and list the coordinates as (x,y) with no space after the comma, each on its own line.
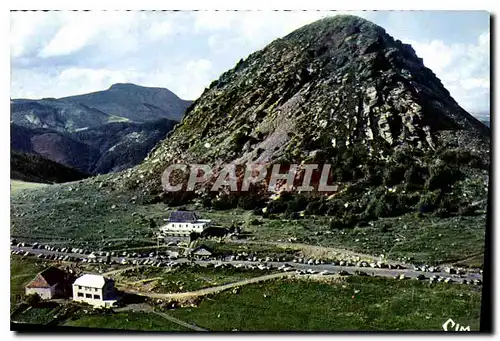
(300,266)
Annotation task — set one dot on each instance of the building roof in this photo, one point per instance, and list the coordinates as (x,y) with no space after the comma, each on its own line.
(182,217)
(93,281)
(202,250)
(47,278)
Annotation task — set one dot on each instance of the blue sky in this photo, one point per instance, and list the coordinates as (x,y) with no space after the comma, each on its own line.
(56,54)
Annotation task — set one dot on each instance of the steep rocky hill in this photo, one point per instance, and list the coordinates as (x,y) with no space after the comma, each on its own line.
(339,91)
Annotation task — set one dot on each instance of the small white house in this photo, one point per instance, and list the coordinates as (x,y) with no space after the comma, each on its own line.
(95,290)
(182,223)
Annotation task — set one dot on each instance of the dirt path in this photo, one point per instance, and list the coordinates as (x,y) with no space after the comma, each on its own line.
(472,257)
(211,290)
(144,280)
(179,322)
(148,309)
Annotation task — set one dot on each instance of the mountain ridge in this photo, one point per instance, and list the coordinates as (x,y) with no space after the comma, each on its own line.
(127,117)
(339,91)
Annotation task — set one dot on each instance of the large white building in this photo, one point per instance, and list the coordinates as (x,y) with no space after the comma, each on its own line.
(182,223)
(95,290)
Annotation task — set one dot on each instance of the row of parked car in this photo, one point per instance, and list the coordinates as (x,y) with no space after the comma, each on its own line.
(150,262)
(360,264)
(254,258)
(92,254)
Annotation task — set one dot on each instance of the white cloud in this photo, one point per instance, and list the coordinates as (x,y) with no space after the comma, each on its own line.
(473,83)
(56,54)
(213,21)
(79,30)
(100,78)
(26,29)
(160,29)
(464,69)
(69,39)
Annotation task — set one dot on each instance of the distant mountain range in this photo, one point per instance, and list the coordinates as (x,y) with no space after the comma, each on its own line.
(100,132)
(484,117)
(34,168)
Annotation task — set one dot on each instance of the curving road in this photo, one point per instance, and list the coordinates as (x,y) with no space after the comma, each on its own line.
(211,290)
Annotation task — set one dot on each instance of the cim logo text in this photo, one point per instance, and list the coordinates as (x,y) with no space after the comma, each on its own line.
(450,325)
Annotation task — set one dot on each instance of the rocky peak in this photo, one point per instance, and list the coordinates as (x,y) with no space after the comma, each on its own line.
(336,84)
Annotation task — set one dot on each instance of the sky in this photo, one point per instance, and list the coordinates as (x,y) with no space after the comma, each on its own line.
(57,54)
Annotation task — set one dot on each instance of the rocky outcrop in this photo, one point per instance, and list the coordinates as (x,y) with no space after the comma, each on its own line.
(336,84)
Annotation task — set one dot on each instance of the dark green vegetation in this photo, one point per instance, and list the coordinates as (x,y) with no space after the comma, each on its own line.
(34,168)
(260,250)
(426,239)
(300,305)
(125,320)
(37,315)
(186,278)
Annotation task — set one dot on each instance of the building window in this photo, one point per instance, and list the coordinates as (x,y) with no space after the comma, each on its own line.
(88,295)
(80,294)
(97,297)
(79,287)
(95,289)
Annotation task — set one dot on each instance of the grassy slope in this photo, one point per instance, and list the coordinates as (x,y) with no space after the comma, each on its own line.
(186,279)
(426,239)
(380,304)
(18,185)
(126,320)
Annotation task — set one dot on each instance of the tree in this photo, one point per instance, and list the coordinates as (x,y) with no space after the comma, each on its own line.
(33,299)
